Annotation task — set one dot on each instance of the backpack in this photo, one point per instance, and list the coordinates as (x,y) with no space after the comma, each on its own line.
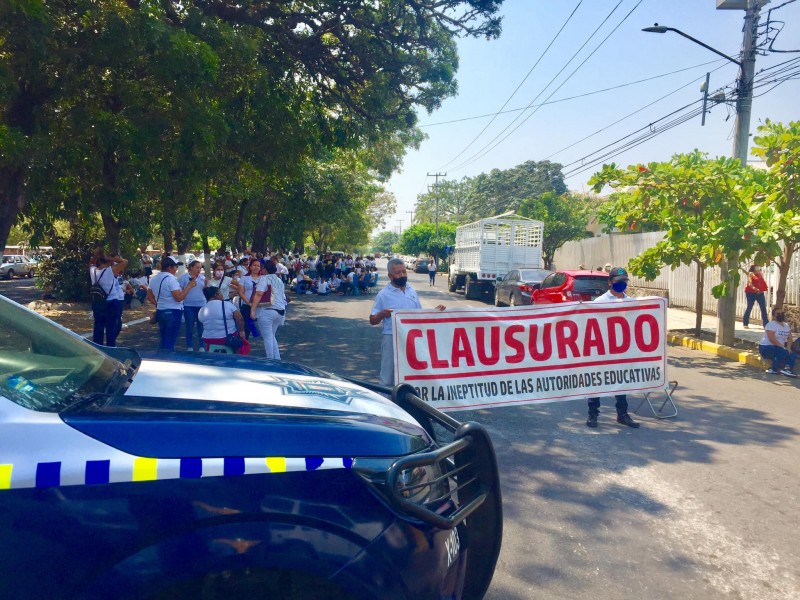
(98,294)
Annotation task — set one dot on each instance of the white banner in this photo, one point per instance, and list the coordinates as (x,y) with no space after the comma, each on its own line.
(476,358)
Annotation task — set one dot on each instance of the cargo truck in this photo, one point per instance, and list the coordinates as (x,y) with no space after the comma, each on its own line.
(490,248)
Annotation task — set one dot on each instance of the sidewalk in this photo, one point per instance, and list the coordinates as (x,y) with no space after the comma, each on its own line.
(679,320)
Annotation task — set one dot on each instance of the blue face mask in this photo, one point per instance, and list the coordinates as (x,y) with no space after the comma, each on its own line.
(619,286)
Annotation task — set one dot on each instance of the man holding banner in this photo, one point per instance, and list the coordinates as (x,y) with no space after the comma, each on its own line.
(618,281)
(397,295)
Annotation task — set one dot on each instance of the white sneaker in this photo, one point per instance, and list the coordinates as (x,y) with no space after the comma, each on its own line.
(772,371)
(788,373)
(201,349)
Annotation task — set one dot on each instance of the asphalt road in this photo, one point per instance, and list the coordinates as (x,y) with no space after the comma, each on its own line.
(20,290)
(700,506)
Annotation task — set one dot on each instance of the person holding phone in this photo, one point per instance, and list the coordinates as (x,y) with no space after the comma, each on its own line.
(194,301)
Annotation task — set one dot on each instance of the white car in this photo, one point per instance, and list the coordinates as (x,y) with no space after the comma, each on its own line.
(17,264)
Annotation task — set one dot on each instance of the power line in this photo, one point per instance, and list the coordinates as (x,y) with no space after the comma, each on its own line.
(593,159)
(608,89)
(659,99)
(488,149)
(546,86)
(541,56)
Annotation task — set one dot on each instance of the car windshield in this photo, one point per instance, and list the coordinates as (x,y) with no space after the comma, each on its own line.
(534,274)
(44,367)
(591,284)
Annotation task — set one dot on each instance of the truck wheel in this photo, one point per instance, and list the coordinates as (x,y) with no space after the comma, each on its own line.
(472,288)
(30,274)
(452,284)
(513,301)
(497,299)
(10,274)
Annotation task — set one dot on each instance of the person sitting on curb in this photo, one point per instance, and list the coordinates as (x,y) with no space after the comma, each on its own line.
(618,282)
(777,343)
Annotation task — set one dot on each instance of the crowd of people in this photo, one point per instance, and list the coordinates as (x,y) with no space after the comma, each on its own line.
(255,287)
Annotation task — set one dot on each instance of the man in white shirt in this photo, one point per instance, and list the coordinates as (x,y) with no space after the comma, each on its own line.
(618,283)
(397,295)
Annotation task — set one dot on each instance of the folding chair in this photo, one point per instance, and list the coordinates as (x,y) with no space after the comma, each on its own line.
(659,413)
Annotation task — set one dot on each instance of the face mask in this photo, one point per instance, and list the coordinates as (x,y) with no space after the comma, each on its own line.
(218,274)
(400,281)
(780,317)
(619,286)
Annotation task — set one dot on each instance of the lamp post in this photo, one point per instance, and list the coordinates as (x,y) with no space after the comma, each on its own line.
(726,306)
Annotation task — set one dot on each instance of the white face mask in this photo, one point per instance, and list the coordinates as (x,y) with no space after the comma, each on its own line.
(218,274)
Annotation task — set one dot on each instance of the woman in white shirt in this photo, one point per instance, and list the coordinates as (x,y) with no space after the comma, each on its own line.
(221,318)
(776,344)
(247,291)
(104,271)
(194,301)
(166,293)
(269,303)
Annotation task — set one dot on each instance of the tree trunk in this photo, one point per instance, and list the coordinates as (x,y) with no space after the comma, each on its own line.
(12,200)
(784,265)
(113,229)
(206,254)
(698,298)
(167,240)
(238,236)
(260,234)
(183,240)
(726,306)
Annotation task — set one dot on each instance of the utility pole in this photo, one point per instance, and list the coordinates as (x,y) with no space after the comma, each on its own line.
(400,226)
(726,306)
(436,195)
(411,220)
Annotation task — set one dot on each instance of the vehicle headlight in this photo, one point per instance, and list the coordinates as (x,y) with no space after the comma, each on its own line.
(425,485)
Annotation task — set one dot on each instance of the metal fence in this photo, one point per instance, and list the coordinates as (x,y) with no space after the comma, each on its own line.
(618,249)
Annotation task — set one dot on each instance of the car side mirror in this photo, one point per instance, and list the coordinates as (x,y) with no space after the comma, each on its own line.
(537,286)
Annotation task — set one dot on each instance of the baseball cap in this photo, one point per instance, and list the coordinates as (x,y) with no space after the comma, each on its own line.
(168,262)
(618,274)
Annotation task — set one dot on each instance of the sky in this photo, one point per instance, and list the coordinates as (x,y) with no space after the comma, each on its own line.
(490,71)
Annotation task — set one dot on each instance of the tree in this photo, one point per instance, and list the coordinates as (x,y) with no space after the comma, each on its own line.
(778,217)
(134,110)
(421,239)
(384,241)
(703,204)
(565,218)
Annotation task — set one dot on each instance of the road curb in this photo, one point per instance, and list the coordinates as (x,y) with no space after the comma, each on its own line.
(743,356)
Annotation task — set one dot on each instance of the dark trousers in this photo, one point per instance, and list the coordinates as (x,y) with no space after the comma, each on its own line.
(622,405)
(781,358)
(762,303)
(190,315)
(107,323)
(169,326)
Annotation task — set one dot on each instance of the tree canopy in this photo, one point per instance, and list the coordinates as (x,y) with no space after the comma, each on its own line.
(245,120)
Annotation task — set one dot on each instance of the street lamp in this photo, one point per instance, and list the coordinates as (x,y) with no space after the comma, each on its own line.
(726,306)
(656,28)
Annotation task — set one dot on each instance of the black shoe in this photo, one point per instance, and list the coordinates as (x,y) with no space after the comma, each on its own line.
(591,421)
(626,420)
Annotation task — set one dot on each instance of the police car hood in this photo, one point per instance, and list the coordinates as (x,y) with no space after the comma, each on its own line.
(230,407)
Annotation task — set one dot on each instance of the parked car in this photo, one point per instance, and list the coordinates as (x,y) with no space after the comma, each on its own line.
(223,476)
(516,286)
(569,286)
(17,264)
(421,266)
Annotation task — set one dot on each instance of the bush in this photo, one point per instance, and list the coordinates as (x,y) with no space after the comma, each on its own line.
(65,276)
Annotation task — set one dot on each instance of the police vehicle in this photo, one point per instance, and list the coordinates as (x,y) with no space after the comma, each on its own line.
(215,476)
